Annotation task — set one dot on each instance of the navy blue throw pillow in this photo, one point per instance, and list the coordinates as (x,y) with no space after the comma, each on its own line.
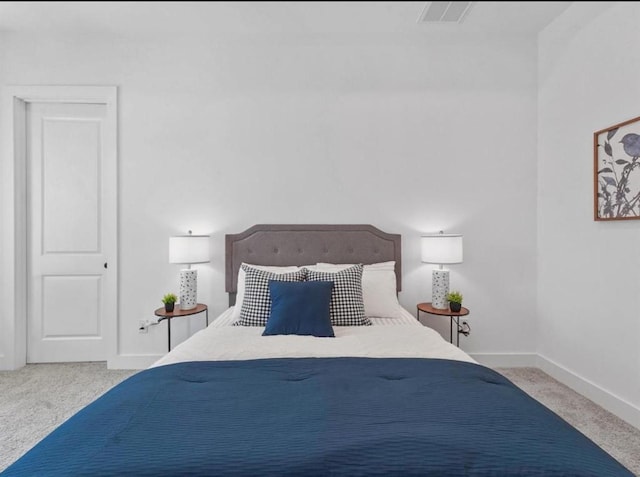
(300,308)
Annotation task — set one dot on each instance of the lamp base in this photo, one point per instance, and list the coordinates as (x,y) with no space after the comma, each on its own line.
(440,289)
(188,289)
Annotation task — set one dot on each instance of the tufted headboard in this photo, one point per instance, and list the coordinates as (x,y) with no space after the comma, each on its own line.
(282,245)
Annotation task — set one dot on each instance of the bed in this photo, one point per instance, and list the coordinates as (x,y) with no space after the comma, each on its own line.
(389,397)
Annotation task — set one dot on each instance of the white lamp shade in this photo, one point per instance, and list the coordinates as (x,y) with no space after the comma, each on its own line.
(442,248)
(189,249)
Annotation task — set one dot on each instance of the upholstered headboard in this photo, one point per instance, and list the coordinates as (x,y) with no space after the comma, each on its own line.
(282,245)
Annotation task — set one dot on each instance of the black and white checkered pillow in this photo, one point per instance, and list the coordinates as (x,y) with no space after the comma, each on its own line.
(256,305)
(346,307)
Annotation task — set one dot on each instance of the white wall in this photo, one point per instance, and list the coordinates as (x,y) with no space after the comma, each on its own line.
(410,133)
(588,272)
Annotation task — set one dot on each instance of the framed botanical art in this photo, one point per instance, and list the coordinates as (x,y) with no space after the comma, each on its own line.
(616,158)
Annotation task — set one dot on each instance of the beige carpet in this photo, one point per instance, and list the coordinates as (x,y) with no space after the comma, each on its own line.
(37,398)
(614,435)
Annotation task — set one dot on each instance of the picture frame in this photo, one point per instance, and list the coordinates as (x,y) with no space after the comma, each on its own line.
(616,172)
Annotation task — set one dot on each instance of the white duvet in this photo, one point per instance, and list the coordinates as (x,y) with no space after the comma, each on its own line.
(405,339)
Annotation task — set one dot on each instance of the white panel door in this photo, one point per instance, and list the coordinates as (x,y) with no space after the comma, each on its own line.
(69,202)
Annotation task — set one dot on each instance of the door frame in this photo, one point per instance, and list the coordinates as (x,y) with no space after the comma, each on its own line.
(13,212)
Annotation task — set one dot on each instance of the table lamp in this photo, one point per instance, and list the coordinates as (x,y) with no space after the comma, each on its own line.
(189,249)
(441,249)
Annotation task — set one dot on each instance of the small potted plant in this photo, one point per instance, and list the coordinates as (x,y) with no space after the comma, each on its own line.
(169,301)
(455,301)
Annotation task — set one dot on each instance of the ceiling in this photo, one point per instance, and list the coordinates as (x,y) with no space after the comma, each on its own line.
(512,18)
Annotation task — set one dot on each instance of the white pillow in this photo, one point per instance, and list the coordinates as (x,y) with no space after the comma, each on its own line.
(240,289)
(378,288)
(373,266)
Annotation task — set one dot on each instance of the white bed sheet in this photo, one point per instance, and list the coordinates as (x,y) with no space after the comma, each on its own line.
(401,337)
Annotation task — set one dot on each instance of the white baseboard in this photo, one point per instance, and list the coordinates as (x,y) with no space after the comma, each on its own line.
(506,360)
(612,403)
(122,361)
(132,361)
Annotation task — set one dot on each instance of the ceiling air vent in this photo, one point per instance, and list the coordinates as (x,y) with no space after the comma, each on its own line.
(444,12)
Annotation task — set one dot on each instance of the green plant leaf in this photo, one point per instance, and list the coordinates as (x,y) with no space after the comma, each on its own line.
(169,298)
(609,180)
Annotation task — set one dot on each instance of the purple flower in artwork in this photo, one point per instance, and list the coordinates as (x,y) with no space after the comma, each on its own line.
(631,144)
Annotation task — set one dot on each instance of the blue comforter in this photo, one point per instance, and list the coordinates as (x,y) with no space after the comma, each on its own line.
(316,416)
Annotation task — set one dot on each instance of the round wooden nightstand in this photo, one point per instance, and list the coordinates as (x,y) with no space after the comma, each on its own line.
(454,316)
(164,315)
